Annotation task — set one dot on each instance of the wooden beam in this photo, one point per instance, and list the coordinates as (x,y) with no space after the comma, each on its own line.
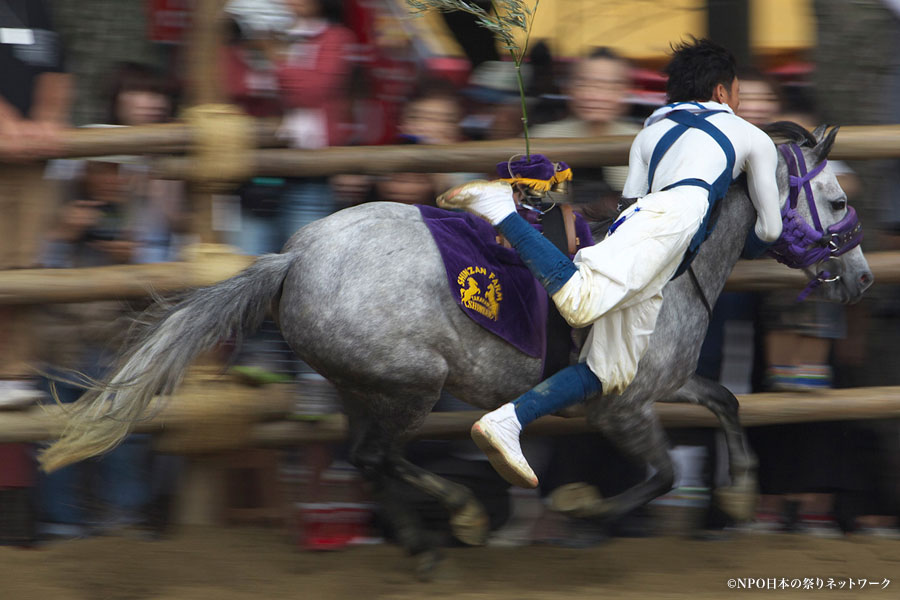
(37,286)
(853,142)
(165,138)
(201,404)
(756,409)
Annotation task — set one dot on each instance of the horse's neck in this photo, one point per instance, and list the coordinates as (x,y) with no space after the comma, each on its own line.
(722,250)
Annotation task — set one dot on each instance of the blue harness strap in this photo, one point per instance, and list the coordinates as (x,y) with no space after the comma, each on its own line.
(687,120)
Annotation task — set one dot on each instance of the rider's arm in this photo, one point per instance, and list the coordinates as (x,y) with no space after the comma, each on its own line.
(761,165)
(638,172)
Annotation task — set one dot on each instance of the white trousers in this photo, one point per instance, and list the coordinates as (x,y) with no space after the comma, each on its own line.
(618,287)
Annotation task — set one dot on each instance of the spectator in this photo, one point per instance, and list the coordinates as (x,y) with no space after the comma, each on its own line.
(312,65)
(432,115)
(801,465)
(252,84)
(94,228)
(34,106)
(141,95)
(597,88)
(313,72)
(494,110)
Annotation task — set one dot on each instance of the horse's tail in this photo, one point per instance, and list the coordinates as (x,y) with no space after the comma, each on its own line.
(156,362)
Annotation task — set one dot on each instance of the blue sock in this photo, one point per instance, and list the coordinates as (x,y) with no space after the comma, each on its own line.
(549,266)
(570,386)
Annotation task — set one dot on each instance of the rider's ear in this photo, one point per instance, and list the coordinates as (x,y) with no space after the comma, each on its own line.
(720,94)
(824,146)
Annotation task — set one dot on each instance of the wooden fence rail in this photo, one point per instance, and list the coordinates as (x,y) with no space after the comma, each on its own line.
(37,286)
(196,413)
(859,142)
(756,410)
(853,142)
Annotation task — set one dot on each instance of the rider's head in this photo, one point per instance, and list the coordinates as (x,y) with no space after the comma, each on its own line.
(701,70)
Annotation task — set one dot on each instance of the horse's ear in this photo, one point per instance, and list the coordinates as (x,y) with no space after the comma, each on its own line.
(819,131)
(824,146)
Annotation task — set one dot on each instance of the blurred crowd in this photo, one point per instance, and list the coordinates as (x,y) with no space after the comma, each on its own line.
(336,73)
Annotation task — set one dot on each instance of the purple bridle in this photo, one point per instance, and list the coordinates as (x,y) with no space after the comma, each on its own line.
(802,245)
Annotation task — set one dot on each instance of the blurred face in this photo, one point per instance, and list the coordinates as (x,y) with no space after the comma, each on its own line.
(103,182)
(408,188)
(139,107)
(432,120)
(304,9)
(759,104)
(598,90)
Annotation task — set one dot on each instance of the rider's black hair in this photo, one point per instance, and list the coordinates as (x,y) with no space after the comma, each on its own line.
(696,68)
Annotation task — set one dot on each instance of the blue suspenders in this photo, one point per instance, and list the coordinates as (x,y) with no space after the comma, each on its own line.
(685,120)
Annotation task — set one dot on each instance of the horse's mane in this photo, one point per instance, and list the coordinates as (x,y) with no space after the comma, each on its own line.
(791,132)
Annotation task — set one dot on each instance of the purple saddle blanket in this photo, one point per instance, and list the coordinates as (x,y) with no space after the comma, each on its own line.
(489,282)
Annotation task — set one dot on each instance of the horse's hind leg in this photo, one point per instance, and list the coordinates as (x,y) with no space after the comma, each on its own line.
(639,434)
(372,439)
(379,427)
(468,519)
(738,499)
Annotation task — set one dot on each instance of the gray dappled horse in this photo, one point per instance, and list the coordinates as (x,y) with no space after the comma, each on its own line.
(362,296)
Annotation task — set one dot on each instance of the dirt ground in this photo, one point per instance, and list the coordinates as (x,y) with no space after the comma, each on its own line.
(249,563)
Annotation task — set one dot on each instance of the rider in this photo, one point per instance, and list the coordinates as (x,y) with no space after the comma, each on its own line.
(681,163)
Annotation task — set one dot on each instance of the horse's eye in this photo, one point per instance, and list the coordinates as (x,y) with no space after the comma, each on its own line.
(838,205)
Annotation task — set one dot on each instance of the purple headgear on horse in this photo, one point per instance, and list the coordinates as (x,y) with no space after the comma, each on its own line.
(802,245)
(537,172)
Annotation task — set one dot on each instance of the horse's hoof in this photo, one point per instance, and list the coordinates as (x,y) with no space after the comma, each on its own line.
(737,501)
(427,563)
(577,500)
(470,524)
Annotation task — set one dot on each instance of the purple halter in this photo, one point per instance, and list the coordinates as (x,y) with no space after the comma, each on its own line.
(800,244)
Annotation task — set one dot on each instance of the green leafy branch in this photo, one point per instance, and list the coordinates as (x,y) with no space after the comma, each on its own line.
(508,16)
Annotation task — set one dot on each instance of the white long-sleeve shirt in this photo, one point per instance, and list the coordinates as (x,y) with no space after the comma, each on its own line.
(697,155)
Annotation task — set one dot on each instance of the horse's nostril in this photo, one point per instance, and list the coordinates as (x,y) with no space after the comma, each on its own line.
(866,279)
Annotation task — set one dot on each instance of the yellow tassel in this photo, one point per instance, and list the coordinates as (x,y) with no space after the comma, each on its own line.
(539,185)
(561,176)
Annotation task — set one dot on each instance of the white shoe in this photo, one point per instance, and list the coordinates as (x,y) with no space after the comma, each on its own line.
(492,200)
(497,434)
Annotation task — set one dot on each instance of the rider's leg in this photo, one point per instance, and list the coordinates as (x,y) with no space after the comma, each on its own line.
(493,200)
(545,261)
(497,433)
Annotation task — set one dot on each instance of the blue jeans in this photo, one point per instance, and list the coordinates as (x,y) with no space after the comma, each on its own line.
(119,479)
(302,201)
(305,201)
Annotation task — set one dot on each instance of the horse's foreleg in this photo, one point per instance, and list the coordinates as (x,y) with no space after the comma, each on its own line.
(639,435)
(468,519)
(738,499)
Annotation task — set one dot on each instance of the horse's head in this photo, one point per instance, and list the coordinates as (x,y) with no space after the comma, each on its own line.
(821,230)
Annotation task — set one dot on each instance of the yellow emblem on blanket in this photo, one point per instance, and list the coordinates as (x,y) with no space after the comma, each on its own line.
(480,291)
